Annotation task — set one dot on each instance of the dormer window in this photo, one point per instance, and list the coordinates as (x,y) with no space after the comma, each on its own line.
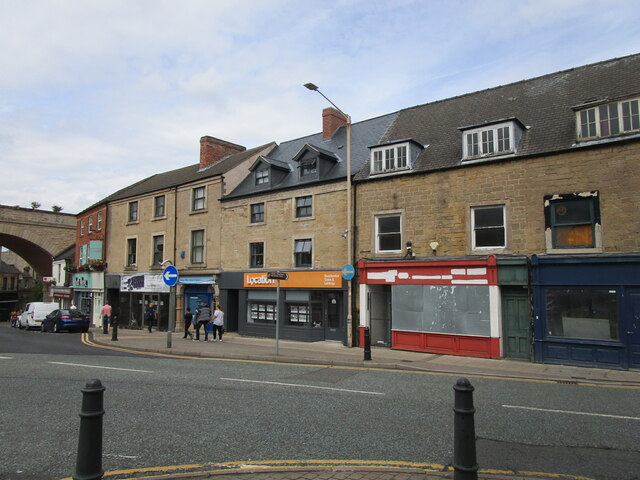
(262,176)
(308,167)
(390,158)
(490,140)
(608,120)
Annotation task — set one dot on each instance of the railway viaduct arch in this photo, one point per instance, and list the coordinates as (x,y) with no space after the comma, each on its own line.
(36,235)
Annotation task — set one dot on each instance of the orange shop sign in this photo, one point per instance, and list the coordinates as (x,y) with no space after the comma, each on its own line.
(329,279)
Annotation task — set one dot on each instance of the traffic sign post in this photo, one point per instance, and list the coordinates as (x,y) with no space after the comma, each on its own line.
(170,277)
(278,276)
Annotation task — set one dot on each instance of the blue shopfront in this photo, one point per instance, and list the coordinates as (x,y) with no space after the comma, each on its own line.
(587,310)
(196,289)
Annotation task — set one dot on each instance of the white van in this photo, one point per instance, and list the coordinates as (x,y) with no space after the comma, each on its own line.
(35,312)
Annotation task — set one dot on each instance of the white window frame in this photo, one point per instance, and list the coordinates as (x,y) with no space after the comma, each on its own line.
(90,224)
(487,140)
(203,246)
(595,119)
(475,208)
(262,176)
(377,234)
(390,158)
(195,201)
(82,227)
(99,221)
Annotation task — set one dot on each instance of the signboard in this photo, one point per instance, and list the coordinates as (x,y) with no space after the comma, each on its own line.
(328,279)
(170,276)
(143,283)
(278,276)
(348,272)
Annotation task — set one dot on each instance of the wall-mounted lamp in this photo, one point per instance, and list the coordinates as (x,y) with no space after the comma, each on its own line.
(434,246)
(165,262)
(409,250)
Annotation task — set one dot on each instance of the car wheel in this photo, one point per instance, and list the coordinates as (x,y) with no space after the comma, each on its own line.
(55,328)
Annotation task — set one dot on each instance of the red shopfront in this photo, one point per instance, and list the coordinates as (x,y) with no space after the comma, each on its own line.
(447,306)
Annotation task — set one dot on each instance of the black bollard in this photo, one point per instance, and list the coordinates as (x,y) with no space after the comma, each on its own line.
(465,464)
(114,329)
(89,460)
(367,344)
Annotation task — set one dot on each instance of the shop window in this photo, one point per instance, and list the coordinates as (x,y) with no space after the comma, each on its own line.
(588,313)
(303,252)
(388,234)
(133,211)
(256,253)
(298,314)
(261,312)
(572,221)
(488,227)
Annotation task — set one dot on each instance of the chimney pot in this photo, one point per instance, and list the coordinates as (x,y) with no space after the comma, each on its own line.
(213,149)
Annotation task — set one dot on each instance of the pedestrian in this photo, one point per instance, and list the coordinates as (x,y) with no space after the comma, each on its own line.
(188,318)
(218,323)
(106,317)
(14,318)
(203,319)
(150,315)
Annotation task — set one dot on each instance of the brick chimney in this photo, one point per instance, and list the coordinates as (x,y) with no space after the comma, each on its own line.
(213,149)
(332,119)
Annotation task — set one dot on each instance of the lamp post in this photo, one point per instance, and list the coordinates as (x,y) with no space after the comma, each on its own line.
(314,88)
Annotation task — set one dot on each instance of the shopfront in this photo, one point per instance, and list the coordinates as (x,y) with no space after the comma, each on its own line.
(62,295)
(312,305)
(195,289)
(88,288)
(587,310)
(449,306)
(136,293)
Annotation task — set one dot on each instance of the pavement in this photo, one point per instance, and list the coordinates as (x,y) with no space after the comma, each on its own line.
(335,354)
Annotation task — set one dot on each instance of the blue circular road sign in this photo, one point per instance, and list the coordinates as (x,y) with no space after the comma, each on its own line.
(348,272)
(170,276)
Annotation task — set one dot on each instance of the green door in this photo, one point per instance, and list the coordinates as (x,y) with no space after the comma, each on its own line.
(516,316)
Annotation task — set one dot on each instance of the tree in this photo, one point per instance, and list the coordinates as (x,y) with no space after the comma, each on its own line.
(35,205)
(56,208)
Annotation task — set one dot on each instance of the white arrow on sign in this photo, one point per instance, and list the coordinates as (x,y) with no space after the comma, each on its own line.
(169,275)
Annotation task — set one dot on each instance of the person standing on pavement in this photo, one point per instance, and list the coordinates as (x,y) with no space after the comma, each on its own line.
(218,323)
(188,318)
(150,315)
(203,318)
(106,317)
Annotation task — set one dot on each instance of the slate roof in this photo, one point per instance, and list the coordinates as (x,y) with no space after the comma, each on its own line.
(181,176)
(544,105)
(363,135)
(8,269)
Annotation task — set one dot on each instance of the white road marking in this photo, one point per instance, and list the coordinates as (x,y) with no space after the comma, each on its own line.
(115,455)
(571,412)
(6,358)
(98,366)
(301,386)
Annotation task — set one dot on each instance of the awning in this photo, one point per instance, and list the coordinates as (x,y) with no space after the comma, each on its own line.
(200,280)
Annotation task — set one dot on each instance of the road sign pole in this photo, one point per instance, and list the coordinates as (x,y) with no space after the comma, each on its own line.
(278,319)
(172,315)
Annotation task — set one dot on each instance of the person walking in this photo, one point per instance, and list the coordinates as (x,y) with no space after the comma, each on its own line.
(150,315)
(218,323)
(188,318)
(106,317)
(203,319)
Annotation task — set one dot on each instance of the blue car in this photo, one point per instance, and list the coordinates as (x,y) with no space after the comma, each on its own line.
(70,320)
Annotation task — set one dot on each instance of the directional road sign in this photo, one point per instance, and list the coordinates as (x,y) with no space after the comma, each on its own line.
(277,275)
(170,276)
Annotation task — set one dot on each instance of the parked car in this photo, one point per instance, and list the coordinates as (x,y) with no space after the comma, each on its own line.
(34,313)
(70,320)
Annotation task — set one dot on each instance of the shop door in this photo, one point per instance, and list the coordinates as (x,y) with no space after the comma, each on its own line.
(332,324)
(146,299)
(631,329)
(380,316)
(516,321)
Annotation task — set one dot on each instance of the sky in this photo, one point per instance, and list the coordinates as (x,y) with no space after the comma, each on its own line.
(98,94)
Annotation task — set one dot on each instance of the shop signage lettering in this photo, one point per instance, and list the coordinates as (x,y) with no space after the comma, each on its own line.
(330,279)
(143,283)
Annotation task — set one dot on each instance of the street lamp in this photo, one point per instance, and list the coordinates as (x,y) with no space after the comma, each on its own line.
(314,88)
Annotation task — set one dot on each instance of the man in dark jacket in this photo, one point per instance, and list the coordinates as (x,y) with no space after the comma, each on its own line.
(203,318)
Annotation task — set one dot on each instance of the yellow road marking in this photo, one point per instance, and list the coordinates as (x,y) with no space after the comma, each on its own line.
(86,341)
